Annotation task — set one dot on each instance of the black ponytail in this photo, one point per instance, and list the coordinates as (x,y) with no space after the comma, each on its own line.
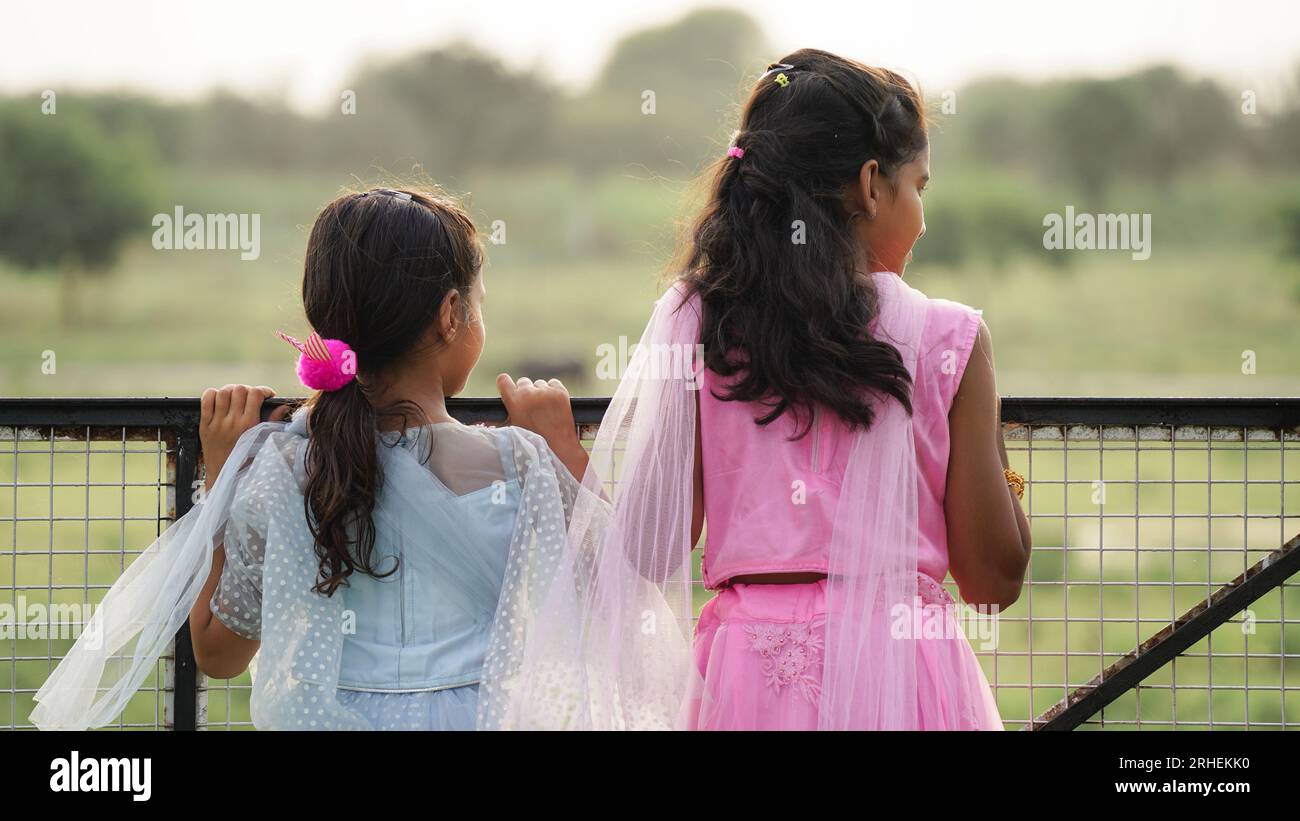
(379,266)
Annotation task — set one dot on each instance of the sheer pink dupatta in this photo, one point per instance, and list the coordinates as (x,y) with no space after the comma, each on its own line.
(595,633)
(869,680)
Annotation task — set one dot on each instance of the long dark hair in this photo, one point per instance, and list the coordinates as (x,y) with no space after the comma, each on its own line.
(791,318)
(378,269)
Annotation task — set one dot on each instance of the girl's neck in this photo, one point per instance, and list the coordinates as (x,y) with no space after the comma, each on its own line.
(865,263)
(428,397)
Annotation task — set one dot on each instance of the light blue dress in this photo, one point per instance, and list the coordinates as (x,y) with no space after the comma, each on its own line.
(414,641)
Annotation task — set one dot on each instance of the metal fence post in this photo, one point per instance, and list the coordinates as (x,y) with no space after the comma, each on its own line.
(185,704)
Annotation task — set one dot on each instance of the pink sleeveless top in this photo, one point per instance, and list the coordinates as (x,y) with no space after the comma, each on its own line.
(769,502)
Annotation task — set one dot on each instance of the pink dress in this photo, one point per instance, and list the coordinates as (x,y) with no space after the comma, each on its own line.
(769,507)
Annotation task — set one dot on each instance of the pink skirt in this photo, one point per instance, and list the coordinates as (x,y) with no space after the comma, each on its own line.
(759,649)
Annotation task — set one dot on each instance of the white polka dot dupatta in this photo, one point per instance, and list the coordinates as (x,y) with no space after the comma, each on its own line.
(142,612)
(257,508)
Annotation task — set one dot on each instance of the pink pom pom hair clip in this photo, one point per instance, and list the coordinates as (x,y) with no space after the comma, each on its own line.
(325,364)
(736,151)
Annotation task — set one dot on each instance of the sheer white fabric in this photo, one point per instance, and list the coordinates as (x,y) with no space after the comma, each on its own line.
(257,503)
(463,459)
(597,634)
(141,613)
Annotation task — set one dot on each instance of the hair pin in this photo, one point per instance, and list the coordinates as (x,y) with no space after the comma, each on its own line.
(736,151)
(777,67)
(401,195)
(325,364)
(313,347)
(782,80)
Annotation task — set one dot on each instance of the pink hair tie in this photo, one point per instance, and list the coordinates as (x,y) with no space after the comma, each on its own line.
(325,364)
(736,151)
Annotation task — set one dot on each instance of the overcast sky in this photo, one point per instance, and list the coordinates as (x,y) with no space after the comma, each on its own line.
(307,50)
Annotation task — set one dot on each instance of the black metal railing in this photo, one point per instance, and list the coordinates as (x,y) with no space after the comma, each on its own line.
(113,473)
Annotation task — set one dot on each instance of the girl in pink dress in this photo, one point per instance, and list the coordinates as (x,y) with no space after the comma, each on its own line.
(836,429)
(840,149)
(760,642)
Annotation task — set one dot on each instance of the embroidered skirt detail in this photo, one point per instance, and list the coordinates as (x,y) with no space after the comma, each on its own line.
(791,654)
(760,652)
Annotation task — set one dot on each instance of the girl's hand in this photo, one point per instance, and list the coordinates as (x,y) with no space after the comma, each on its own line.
(544,408)
(224,415)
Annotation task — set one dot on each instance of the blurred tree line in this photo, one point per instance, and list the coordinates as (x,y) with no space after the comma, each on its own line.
(1151,140)
(455,109)
(664,103)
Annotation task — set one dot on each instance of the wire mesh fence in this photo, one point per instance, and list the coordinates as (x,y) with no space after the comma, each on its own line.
(80,504)
(1157,594)
(1134,527)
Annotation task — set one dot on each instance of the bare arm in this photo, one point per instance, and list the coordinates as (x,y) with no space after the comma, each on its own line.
(224,415)
(219,652)
(988,534)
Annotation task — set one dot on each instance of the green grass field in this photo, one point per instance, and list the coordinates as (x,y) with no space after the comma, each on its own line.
(580,267)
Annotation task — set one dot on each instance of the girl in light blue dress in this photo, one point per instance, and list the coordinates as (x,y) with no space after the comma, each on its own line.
(353,557)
